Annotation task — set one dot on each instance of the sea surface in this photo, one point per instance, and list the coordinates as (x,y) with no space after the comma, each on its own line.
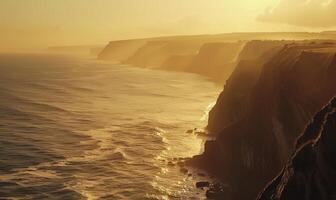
(74,128)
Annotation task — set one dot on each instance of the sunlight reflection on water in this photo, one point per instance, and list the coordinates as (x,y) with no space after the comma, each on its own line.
(90,130)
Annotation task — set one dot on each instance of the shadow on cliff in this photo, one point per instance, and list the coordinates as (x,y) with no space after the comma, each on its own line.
(311,172)
(275,105)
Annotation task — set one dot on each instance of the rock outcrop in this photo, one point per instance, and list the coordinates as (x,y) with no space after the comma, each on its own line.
(292,86)
(311,172)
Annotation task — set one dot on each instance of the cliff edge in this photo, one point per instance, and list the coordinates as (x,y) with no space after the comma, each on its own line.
(311,172)
(292,86)
(232,103)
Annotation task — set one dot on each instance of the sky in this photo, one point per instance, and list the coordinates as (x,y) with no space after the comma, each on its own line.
(33,24)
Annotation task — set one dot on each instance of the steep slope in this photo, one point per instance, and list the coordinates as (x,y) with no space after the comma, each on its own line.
(311,172)
(232,103)
(288,92)
(207,55)
(119,51)
(154,53)
(123,49)
(216,60)
(113,46)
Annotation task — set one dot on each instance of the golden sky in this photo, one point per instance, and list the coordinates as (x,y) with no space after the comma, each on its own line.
(29,24)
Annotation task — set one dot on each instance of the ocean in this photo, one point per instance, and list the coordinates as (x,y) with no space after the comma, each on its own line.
(77,128)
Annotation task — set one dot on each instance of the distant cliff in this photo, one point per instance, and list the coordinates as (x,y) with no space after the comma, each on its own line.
(118,51)
(154,53)
(214,56)
(215,60)
(204,56)
(272,107)
(311,172)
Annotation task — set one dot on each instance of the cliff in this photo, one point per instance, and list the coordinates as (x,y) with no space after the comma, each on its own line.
(232,103)
(118,51)
(215,60)
(203,55)
(311,172)
(151,51)
(121,50)
(213,56)
(154,53)
(292,85)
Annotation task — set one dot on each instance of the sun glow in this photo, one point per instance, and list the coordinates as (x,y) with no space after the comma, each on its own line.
(42,23)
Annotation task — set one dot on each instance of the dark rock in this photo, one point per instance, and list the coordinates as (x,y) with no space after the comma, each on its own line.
(214,194)
(202,184)
(218,191)
(311,172)
(200,133)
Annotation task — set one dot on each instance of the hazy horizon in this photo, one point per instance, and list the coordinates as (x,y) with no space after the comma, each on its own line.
(33,25)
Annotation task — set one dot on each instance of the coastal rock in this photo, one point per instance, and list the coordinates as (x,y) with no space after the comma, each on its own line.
(202,184)
(218,191)
(292,86)
(232,104)
(311,172)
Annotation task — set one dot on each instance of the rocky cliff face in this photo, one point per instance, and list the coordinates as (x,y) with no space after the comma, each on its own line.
(311,172)
(293,84)
(231,105)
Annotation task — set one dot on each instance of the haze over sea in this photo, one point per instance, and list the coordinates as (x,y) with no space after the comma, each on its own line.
(73,128)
